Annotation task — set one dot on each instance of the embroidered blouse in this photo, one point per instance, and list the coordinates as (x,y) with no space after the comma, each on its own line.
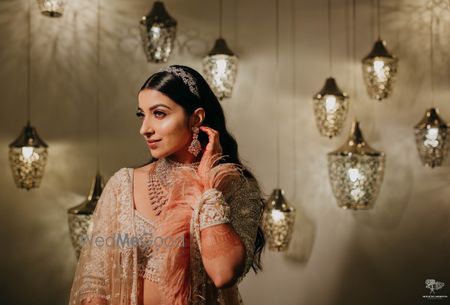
(111,273)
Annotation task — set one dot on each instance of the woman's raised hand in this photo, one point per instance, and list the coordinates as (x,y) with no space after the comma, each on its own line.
(212,148)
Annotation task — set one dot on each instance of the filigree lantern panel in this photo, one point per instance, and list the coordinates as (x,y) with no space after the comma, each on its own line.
(28,158)
(356,172)
(80,216)
(220,68)
(330,109)
(278,222)
(379,72)
(158,31)
(52,8)
(432,139)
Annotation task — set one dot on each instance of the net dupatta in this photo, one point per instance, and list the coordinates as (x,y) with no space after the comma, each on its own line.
(106,272)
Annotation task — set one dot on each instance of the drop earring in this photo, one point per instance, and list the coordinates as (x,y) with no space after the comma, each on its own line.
(195,146)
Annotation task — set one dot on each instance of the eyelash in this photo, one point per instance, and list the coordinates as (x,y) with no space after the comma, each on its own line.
(141,115)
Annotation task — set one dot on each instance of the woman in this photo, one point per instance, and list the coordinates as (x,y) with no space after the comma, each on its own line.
(183,229)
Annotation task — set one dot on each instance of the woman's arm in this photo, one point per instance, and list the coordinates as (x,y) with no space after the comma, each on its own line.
(227,248)
(223,254)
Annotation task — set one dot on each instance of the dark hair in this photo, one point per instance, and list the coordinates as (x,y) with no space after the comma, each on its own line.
(173,87)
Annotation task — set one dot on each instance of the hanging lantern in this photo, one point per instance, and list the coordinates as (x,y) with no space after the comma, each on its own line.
(52,8)
(330,109)
(80,224)
(278,221)
(379,71)
(432,138)
(27,158)
(356,172)
(158,31)
(220,68)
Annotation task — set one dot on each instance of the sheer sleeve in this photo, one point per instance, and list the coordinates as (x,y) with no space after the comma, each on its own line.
(91,284)
(246,211)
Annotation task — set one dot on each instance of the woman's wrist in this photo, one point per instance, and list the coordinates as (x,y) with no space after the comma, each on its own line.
(214,209)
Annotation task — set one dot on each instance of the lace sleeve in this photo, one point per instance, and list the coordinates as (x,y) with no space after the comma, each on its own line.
(91,281)
(246,211)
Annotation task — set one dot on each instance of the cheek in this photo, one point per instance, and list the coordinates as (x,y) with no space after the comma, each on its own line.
(174,129)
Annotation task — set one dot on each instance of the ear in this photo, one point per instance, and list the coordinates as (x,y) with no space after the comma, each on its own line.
(197,117)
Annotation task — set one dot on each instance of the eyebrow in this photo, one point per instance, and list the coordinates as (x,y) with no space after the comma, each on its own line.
(155,106)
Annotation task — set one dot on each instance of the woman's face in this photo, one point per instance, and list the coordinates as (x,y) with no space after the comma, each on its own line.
(165,126)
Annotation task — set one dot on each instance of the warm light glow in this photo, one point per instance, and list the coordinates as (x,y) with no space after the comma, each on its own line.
(330,103)
(354,174)
(277,215)
(27,152)
(378,66)
(431,137)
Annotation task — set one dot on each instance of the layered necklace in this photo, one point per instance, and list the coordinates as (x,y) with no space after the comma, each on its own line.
(161,179)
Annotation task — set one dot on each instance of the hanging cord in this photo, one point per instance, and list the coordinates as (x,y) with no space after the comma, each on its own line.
(294,110)
(330,42)
(432,55)
(98,86)
(347,43)
(354,54)
(220,18)
(29,64)
(277,81)
(378,20)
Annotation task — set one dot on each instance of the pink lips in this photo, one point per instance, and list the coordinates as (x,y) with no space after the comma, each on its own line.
(153,143)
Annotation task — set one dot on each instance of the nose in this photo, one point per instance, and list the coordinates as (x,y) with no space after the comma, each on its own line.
(146,129)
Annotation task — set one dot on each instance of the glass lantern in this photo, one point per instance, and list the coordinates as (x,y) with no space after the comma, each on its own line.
(379,71)
(220,68)
(278,221)
(330,109)
(356,172)
(28,158)
(79,217)
(158,30)
(52,8)
(432,138)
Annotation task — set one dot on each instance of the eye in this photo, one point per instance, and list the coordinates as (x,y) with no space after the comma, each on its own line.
(140,115)
(159,114)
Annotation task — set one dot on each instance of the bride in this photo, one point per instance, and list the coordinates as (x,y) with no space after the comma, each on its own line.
(185,228)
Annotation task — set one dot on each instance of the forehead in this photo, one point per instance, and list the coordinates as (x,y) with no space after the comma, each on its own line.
(148,98)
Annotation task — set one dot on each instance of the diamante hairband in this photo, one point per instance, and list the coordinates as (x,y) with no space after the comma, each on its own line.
(187,78)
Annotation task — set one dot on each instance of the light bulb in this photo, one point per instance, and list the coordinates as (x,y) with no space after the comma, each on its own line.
(354,174)
(378,66)
(27,152)
(330,103)
(277,215)
(431,137)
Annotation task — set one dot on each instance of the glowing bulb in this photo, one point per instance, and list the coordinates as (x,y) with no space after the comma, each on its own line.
(27,152)
(330,103)
(431,137)
(221,66)
(277,215)
(354,174)
(378,66)
(156,31)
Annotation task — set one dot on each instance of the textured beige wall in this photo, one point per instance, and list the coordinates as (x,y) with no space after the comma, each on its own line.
(337,257)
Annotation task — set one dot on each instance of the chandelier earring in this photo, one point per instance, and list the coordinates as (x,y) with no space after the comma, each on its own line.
(195,146)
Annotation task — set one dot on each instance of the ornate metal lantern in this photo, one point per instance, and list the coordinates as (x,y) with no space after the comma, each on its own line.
(52,8)
(330,109)
(158,31)
(356,172)
(220,68)
(79,217)
(379,71)
(27,158)
(432,138)
(278,221)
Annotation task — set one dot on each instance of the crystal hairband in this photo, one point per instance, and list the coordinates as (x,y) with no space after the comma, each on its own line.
(187,78)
